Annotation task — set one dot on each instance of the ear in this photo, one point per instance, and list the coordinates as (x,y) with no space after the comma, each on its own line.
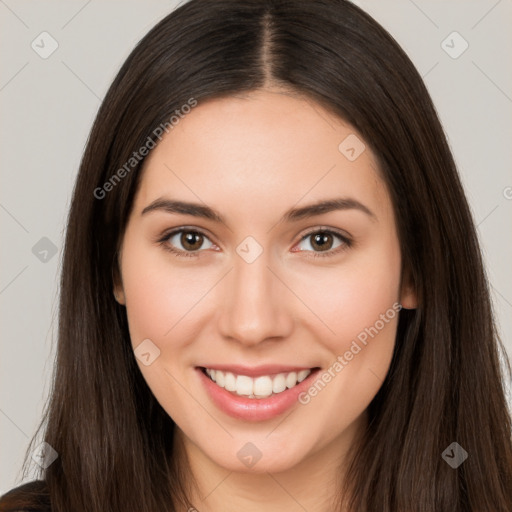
(117,282)
(408,293)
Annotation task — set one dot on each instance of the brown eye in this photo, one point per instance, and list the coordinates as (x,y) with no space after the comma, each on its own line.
(191,240)
(185,242)
(324,243)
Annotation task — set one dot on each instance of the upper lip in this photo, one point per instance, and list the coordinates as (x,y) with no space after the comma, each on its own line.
(256,371)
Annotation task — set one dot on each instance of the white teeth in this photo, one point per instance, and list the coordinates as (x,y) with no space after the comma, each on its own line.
(279,383)
(302,375)
(291,380)
(219,378)
(259,387)
(244,385)
(262,386)
(229,381)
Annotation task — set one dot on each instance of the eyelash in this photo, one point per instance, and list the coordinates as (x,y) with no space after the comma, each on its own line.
(347,243)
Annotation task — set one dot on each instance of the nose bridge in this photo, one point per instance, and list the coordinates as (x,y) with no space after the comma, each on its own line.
(254,306)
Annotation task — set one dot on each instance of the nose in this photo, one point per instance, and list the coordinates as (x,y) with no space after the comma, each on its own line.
(257,305)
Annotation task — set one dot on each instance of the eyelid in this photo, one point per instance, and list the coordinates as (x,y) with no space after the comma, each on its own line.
(317,229)
(173,231)
(166,235)
(346,239)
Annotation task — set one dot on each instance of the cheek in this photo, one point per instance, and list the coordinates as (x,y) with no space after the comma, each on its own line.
(359,303)
(353,296)
(159,304)
(361,309)
(159,294)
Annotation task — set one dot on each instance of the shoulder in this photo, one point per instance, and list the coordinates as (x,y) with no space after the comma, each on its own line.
(30,497)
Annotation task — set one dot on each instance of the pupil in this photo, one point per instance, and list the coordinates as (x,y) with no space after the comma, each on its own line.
(189,239)
(321,240)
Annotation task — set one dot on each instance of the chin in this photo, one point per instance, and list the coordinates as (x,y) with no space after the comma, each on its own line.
(257,454)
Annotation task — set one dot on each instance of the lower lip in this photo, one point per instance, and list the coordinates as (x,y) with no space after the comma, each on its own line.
(254,409)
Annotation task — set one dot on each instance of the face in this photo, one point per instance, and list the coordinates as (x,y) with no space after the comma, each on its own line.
(248,280)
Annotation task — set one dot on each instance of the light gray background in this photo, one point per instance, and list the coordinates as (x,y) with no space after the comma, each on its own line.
(48,106)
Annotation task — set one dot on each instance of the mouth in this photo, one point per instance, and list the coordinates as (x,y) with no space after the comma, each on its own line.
(262,386)
(263,395)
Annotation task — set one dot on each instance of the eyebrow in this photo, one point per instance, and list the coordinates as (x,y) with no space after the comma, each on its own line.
(294,214)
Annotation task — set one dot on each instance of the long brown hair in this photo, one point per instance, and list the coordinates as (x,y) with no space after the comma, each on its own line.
(445,385)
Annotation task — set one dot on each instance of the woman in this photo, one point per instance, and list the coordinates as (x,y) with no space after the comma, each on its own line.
(272,294)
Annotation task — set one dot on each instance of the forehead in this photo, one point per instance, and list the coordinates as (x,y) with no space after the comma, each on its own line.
(258,152)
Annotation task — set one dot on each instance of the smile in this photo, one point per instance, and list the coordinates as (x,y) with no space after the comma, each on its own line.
(259,387)
(265,394)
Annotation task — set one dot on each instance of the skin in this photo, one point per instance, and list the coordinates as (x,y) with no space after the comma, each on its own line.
(252,158)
